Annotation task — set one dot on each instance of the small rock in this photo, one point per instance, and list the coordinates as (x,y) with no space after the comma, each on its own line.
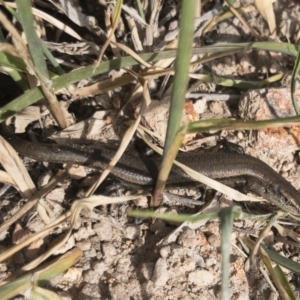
(91,276)
(188,238)
(147,270)
(56,196)
(100,268)
(44,179)
(91,290)
(83,233)
(141,201)
(73,275)
(84,245)
(139,242)
(132,232)
(123,265)
(19,234)
(77,172)
(3,234)
(214,241)
(108,251)
(201,278)
(216,108)
(104,231)
(160,274)
(66,246)
(157,226)
(90,253)
(200,106)
(95,126)
(165,252)
(119,291)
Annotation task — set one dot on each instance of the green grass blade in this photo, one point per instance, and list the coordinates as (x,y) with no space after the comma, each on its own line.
(181,79)
(37,55)
(294,80)
(34,44)
(65,80)
(46,51)
(283,261)
(237,83)
(12,72)
(182,65)
(228,124)
(42,275)
(282,278)
(171,217)
(12,62)
(226,215)
(52,59)
(140,9)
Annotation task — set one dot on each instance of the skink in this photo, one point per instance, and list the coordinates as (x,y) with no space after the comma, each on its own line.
(139,170)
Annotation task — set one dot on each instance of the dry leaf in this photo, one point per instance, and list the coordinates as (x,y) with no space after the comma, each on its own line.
(265,7)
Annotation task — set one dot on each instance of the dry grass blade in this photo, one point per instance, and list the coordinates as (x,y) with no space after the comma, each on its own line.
(45,231)
(127,136)
(16,169)
(18,41)
(133,54)
(287,232)
(58,24)
(39,277)
(78,205)
(41,75)
(219,18)
(111,83)
(263,234)
(116,17)
(244,22)
(65,80)
(13,165)
(111,35)
(104,86)
(32,201)
(265,7)
(37,292)
(229,192)
(6,179)
(134,14)
(268,263)
(13,53)
(40,67)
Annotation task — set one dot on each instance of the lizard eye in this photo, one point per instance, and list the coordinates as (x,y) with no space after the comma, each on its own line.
(242,182)
(286,204)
